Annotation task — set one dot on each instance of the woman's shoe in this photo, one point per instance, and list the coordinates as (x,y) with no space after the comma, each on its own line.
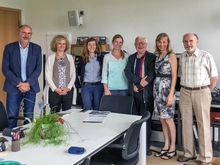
(169,155)
(161,153)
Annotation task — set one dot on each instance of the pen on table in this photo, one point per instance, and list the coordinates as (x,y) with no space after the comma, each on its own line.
(12,136)
(15,136)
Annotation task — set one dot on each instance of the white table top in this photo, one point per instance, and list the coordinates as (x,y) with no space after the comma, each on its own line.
(91,136)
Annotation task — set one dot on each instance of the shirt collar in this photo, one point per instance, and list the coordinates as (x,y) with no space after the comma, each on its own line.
(141,56)
(196,53)
(22,47)
(93,57)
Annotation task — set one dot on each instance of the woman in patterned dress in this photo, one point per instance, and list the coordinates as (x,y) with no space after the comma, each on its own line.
(60,75)
(164,89)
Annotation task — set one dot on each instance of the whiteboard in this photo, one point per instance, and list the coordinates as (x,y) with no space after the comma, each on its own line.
(49,38)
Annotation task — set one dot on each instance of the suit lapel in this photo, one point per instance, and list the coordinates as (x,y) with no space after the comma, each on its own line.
(18,54)
(29,55)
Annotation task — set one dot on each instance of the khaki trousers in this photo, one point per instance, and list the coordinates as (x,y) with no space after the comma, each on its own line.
(196,102)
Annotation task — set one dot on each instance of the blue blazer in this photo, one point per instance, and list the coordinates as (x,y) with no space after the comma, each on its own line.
(11,67)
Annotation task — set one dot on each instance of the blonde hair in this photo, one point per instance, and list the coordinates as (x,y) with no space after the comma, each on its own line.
(158,38)
(114,38)
(56,40)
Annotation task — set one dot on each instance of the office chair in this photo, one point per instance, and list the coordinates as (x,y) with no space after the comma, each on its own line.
(4,117)
(116,103)
(126,152)
(85,162)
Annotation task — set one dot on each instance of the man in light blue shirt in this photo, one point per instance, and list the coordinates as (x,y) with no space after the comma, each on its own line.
(24,54)
(21,66)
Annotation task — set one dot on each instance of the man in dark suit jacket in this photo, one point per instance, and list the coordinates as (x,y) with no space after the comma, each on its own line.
(141,73)
(21,66)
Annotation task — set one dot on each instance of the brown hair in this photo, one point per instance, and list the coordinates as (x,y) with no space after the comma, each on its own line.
(85,51)
(57,39)
(114,38)
(161,35)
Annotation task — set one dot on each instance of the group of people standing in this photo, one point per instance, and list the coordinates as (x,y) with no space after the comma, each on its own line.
(149,77)
(100,74)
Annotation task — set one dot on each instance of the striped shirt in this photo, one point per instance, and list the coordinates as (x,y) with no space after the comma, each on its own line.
(196,70)
(92,70)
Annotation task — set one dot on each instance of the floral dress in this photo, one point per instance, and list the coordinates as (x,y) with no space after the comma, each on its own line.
(162,84)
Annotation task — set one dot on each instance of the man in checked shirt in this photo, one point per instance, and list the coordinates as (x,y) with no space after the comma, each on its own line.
(199,76)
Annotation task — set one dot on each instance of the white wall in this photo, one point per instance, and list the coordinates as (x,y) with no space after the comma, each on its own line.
(130,18)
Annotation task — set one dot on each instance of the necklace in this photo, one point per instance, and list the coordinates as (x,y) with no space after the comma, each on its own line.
(59,56)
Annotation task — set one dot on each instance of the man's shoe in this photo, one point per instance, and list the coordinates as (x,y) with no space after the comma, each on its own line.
(203,163)
(149,152)
(182,158)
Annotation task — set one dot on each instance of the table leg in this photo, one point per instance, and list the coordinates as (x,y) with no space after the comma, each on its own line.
(143,146)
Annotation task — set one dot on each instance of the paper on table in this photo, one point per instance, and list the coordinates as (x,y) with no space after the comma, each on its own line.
(96,113)
(93,119)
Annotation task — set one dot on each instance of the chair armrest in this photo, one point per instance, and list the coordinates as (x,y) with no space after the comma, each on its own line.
(16,117)
(118,146)
(19,118)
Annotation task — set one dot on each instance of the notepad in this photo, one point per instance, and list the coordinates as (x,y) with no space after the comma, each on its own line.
(92,119)
(99,113)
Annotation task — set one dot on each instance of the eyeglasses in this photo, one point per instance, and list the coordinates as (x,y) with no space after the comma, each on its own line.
(140,43)
(25,33)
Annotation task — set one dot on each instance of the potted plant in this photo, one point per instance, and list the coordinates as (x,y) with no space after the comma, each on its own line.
(47,129)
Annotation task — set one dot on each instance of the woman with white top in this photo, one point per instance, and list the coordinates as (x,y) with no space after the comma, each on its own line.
(60,75)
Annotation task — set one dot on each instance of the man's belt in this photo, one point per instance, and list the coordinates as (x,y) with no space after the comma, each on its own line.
(196,88)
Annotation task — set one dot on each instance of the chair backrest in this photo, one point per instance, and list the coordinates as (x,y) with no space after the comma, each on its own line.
(85,162)
(116,103)
(3,117)
(130,142)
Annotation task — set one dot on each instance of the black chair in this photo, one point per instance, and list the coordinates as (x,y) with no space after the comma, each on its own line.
(117,104)
(126,152)
(85,162)
(4,117)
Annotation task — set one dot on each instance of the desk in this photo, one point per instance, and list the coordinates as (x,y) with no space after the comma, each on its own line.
(95,137)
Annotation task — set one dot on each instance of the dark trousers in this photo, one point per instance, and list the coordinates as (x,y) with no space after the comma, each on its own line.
(57,101)
(13,103)
(139,108)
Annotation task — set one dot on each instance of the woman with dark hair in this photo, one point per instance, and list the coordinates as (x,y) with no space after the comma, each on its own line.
(60,75)
(113,77)
(89,74)
(164,89)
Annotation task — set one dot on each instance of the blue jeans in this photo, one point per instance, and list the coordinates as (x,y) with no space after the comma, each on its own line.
(119,92)
(13,103)
(91,96)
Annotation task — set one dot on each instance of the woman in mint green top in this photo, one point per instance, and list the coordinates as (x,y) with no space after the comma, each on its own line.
(113,77)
